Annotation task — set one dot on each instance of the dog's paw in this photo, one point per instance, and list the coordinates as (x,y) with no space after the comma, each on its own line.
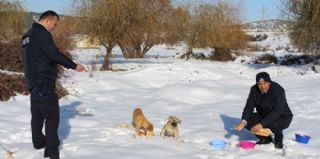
(139,134)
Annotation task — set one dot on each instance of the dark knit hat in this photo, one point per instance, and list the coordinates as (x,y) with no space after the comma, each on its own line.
(263,76)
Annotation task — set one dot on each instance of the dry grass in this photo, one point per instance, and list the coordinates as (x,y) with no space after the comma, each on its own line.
(11,56)
(10,85)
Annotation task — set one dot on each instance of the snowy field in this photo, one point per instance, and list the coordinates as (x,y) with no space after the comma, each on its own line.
(207,96)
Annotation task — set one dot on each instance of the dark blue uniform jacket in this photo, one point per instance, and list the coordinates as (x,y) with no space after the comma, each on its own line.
(41,56)
(270,106)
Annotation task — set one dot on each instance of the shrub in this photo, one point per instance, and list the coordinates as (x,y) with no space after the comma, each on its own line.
(60,90)
(62,36)
(198,56)
(267,59)
(11,56)
(258,37)
(12,60)
(10,85)
(222,54)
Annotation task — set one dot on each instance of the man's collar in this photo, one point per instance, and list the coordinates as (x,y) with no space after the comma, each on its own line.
(39,25)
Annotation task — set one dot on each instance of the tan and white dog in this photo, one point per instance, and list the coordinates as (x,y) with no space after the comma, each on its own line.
(142,125)
(170,129)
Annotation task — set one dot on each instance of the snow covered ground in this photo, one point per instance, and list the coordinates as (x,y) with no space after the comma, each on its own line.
(207,96)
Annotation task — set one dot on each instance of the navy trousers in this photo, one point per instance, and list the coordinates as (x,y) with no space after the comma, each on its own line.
(276,127)
(45,111)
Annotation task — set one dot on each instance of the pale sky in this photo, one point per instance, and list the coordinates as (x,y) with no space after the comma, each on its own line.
(252,9)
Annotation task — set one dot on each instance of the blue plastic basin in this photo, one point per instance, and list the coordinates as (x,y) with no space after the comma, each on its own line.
(217,144)
(304,139)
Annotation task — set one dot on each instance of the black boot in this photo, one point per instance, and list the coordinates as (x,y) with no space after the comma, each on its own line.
(278,145)
(278,137)
(263,140)
(39,146)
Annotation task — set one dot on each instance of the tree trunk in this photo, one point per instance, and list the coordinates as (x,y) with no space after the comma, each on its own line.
(133,52)
(106,61)
(189,53)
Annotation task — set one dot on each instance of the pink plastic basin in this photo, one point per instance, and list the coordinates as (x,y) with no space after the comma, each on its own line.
(247,144)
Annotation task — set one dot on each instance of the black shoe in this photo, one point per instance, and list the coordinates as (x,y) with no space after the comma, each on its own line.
(54,157)
(278,145)
(264,140)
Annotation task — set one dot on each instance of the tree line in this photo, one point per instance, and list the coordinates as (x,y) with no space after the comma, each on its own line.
(137,25)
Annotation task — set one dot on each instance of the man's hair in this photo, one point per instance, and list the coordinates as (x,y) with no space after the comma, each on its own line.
(47,14)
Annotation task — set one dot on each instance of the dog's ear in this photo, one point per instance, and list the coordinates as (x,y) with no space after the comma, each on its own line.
(170,118)
(179,121)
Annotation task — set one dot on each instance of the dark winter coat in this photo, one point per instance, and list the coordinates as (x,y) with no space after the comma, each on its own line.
(270,105)
(41,56)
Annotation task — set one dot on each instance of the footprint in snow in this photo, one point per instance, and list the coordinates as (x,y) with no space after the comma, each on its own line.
(84,111)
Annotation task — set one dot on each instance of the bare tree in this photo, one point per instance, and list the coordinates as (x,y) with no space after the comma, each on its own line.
(225,32)
(186,27)
(142,26)
(175,24)
(305,23)
(134,25)
(211,25)
(99,19)
(62,36)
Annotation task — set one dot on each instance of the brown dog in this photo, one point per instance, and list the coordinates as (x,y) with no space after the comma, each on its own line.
(141,124)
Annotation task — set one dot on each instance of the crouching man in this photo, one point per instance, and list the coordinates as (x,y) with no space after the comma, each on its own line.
(266,107)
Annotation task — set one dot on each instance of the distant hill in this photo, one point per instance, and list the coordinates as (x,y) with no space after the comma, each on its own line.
(267,25)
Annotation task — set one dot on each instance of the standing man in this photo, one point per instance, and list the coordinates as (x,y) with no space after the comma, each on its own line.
(272,111)
(41,57)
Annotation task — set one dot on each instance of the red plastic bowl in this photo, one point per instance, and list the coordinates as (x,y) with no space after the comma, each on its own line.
(247,144)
